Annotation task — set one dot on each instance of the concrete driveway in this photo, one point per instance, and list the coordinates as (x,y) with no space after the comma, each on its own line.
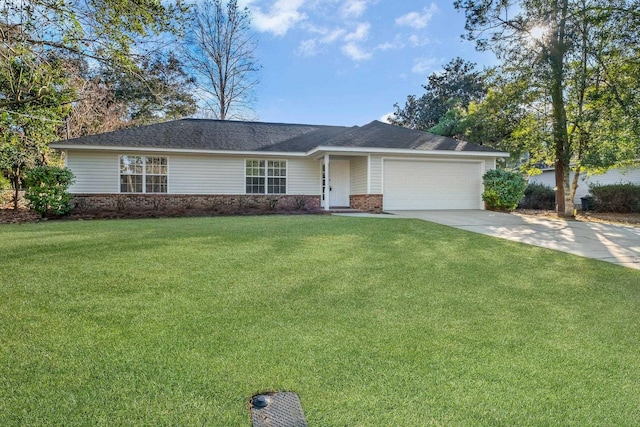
(617,244)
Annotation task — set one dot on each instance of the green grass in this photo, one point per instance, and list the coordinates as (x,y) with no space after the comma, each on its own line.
(372,322)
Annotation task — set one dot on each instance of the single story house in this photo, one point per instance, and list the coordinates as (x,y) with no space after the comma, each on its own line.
(624,175)
(203,162)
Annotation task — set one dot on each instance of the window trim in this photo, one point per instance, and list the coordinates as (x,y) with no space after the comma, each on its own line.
(144,173)
(266,176)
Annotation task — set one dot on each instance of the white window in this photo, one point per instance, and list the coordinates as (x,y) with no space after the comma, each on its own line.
(143,174)
(266,176)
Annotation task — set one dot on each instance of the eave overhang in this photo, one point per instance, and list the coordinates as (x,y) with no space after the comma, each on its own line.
(316,152)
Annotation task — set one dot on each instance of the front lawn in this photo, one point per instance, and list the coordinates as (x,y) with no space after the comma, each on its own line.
(373,322)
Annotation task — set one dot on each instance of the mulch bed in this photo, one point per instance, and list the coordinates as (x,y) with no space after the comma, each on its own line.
(22,215)
(11,216)
(614,218)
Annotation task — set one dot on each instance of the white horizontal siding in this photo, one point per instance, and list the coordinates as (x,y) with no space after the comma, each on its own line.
(375,174)
(359,175)
(95,171)
(193,174)
(489,164)
(614,176)
(98,172)
(547,178)
(304,176)
(219,175)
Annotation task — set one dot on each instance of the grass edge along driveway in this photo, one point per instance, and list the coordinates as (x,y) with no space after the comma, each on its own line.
(372,322)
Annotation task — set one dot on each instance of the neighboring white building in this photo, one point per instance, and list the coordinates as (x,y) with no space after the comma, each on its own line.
(613,176)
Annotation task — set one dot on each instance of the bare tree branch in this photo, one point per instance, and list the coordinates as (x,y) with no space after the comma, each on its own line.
(221,51)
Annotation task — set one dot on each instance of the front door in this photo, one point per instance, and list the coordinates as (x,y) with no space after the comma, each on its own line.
(339,183)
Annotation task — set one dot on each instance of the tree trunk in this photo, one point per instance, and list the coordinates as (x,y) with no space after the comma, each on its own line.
(564,202)
(15,181)
(569,209)
(574,183)
(556,54)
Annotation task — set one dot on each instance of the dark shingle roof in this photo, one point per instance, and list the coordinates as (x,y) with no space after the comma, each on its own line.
(216,135)
(381,135)
(199,134)
(376,135)
(311,140)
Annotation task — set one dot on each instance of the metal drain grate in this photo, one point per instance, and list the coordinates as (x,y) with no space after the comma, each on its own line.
(281,409)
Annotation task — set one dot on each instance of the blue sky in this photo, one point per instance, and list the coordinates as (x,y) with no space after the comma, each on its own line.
(346,62)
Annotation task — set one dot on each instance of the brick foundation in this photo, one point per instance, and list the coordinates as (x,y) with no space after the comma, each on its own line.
(220,204)
(366,202)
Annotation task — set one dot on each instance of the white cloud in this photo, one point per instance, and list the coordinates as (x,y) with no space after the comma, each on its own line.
(423,65)
(418,20)
(307,48)
(283,15)
(349,40)
(387,46)
(351,48)
(326,22)
(327,35)
(361,33)
(355,52)
(334,35)
(313,46)
(418,41)
(353,8)
(395,44)
(387,118)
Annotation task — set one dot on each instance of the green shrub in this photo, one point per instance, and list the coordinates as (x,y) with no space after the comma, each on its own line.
(503,189)
(47,190)
(620,198)
(538,196)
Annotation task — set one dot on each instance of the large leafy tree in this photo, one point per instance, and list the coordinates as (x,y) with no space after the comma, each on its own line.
(512,119)
(108,99)
(117,34)
(446,98)
(39,39)
(580,58)
(105,31)
(27,128)
(221,51)
(160,90)
(95,108)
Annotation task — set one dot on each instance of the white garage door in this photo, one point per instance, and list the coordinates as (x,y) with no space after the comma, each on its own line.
(413,185)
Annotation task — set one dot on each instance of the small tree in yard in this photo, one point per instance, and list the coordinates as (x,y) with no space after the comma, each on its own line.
(503,189)
(47,190)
